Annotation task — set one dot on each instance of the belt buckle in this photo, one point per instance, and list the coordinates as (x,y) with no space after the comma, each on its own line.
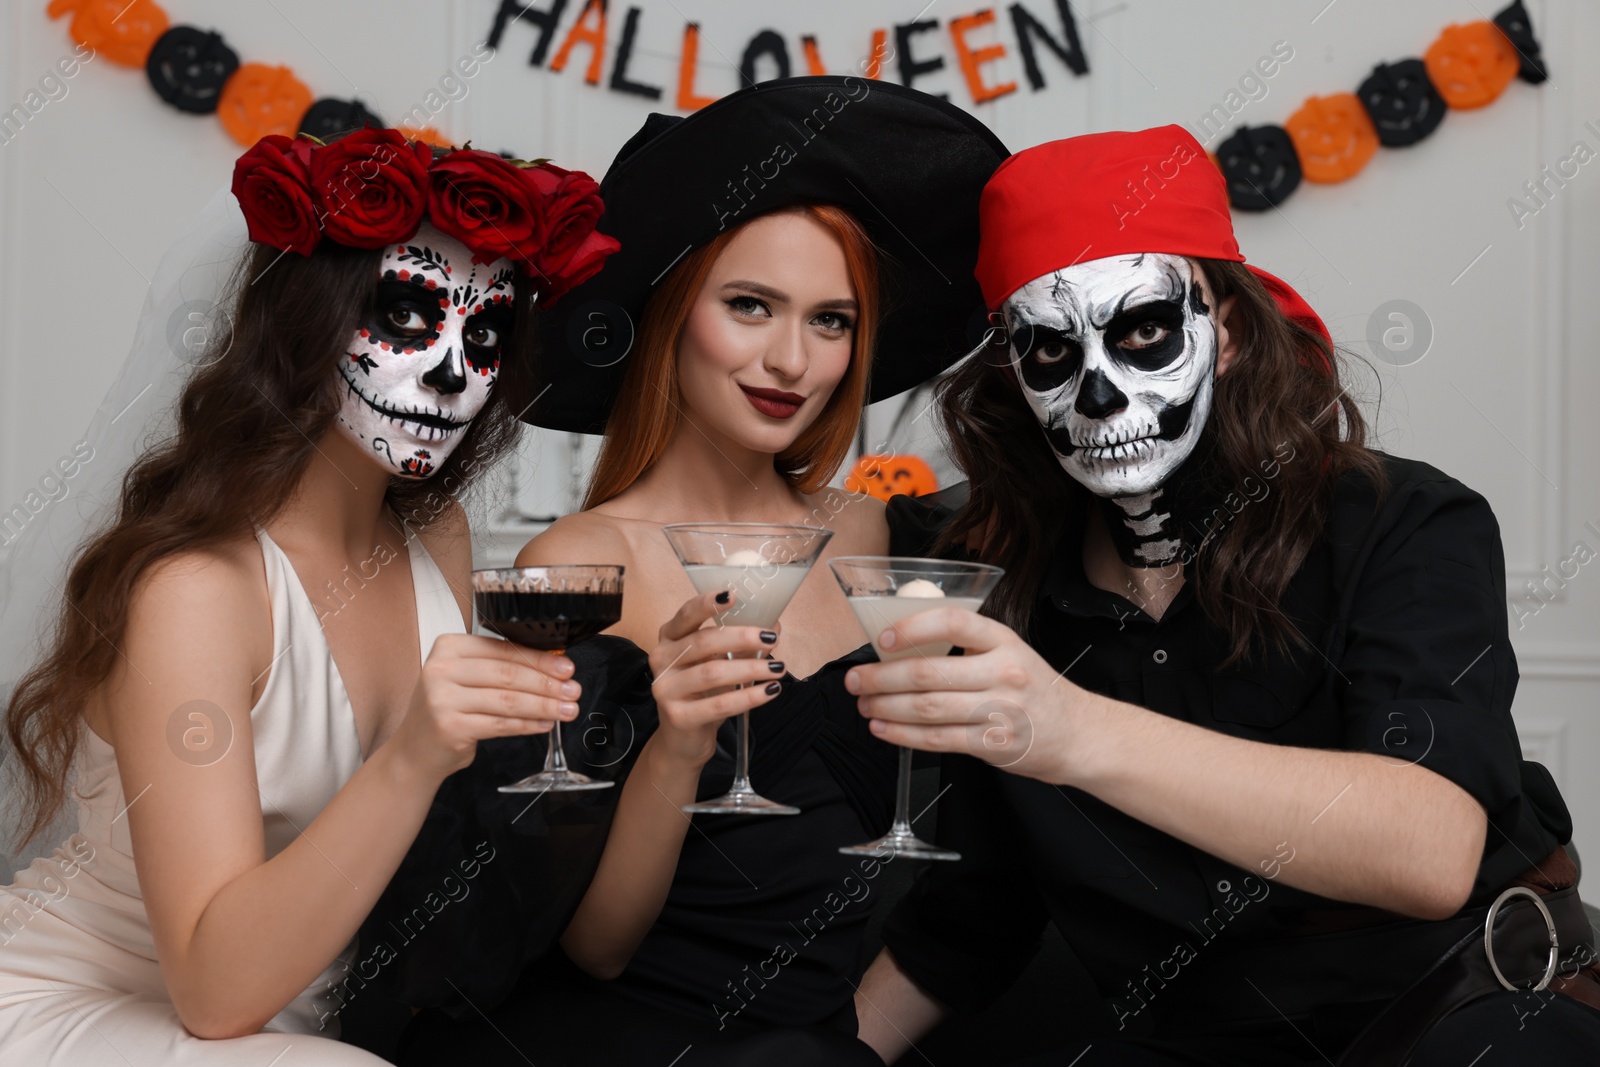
(1550,927)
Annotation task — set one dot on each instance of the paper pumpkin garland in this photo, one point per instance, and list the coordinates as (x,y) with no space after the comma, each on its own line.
(1399,104)
(329,117)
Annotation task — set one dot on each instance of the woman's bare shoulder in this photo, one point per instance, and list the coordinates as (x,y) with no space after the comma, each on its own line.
(582,537)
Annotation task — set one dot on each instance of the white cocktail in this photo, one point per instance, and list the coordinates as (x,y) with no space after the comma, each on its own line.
(761,564)
(884,591)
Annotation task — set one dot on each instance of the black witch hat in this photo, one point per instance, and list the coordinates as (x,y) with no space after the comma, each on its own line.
(908,166)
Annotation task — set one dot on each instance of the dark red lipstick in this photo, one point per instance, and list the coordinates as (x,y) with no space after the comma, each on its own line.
(773,402)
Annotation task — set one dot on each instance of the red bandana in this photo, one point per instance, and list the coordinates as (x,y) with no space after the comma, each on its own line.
(1110,194)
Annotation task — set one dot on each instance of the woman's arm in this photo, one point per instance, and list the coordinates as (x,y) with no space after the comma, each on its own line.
(691,689)
(239,936)
(1351,818)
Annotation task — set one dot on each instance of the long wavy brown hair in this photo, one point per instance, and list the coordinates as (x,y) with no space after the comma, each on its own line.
(1274,395)
(645,414)
(247,425)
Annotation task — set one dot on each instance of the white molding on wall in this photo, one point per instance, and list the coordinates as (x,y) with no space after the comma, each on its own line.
(1545,741)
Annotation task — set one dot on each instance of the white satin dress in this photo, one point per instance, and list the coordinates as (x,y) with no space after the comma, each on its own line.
(80,985)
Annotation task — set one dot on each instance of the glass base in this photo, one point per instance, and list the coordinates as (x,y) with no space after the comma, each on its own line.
(901,844)
(741,803)
(555,782)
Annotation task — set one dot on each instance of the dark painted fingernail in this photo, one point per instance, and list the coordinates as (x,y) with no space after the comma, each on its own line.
(722,597)
(775,666)
(768,637)
(772,688)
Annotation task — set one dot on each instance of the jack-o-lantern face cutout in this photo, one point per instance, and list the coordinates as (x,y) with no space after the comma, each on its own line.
(1333,137)
(1471,64)
(188,68)
(1402,102)
(887,476)
(1260,166)
(122,31)
(1518,28)
(330,117)
(259,100)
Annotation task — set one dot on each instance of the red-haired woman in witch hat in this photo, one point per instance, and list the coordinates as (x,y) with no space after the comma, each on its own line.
(788,253)
(1238,721)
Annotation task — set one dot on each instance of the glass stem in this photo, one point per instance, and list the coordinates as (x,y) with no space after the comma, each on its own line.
(741,760)
(555,760)
(902,796)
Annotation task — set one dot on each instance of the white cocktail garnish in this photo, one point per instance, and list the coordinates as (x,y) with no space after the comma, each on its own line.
(745,557)
(919,587)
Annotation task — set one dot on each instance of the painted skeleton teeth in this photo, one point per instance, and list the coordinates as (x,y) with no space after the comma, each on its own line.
(1141,449)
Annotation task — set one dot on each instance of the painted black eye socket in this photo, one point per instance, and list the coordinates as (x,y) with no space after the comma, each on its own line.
(484,336)
(407,321)
(1150,333)
(1148,337)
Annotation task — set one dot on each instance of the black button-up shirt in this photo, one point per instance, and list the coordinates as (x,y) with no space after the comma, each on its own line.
(1403,606)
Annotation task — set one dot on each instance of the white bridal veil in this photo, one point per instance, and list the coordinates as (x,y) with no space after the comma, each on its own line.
(184,324)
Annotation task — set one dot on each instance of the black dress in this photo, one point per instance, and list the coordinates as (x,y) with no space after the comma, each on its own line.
(757,949)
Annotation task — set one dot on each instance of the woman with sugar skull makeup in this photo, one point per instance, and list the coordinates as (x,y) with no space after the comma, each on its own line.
(243,793)
(1259,660)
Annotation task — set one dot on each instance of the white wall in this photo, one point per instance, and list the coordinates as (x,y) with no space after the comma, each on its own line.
(93,188)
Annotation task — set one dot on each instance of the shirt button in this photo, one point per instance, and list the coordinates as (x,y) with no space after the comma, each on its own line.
(1223,886)
(1159,655)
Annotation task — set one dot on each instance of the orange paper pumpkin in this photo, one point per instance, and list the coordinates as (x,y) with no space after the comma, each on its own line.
(1471,64)
(1333,136)
(259,100)
(426,134)
(885,476)
(121,31)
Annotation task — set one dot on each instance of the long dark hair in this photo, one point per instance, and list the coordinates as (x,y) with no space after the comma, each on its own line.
(247,425)
(1020,501)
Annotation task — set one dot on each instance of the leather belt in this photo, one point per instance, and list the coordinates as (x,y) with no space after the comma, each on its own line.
(1524,940)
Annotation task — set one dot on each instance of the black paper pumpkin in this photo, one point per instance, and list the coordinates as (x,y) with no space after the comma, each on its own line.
(1403,103)
(329,117)
(1518,28)
(188,68)
(1260,166)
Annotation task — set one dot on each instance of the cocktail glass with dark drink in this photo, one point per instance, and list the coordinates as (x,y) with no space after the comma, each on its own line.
(551,609)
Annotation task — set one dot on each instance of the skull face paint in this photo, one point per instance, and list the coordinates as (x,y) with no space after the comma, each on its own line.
(426,353)
(1117,359)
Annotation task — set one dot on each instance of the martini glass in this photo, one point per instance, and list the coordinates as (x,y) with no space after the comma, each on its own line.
(884,591)
(551,609)
(762,564)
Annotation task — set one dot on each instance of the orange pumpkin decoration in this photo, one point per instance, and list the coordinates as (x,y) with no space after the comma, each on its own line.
(1333,136)
(259,100)
(121,31)
(1471,64)
(884,476)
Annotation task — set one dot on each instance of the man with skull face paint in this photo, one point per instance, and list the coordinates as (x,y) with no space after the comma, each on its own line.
(1215,681)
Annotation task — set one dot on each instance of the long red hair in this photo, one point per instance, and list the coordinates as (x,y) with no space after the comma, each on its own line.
(645,414)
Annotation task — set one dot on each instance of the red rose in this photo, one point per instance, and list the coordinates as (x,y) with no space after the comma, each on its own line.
(371,187)
(584,263)
(572,207)
(271,183)
(482,201)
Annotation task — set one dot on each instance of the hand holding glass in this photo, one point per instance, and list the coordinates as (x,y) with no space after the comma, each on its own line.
(883,591)
(551,609)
